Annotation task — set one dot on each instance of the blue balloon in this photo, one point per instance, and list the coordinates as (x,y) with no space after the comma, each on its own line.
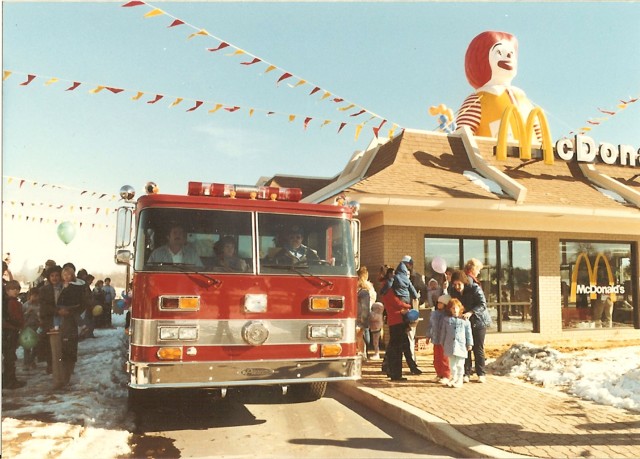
(412,315)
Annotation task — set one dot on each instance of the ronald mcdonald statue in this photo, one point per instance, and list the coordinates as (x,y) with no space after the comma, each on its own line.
(491,63)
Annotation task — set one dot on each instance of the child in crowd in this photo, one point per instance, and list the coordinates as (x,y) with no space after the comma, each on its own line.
(375,328)
(440,360)
(433,292)
(32,320)
(457,340)
(12,323)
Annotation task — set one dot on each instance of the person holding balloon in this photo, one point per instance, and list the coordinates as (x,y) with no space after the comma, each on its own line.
(32,322)
(12,323)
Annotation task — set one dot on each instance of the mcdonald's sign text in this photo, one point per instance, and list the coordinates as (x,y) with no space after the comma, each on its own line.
(583,149)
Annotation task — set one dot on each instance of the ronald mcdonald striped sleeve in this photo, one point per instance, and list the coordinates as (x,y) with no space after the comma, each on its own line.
(469,113)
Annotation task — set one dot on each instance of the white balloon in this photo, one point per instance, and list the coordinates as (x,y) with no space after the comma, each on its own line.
(439,265)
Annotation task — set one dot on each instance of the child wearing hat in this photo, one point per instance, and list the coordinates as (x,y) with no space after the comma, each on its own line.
(440,360)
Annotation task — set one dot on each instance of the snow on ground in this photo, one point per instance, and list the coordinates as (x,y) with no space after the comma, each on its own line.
(89,418)
(609,377)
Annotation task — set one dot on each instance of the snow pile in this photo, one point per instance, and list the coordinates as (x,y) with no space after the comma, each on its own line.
(609,377)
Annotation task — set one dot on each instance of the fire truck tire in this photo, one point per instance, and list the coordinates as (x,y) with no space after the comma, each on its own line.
(137,399)
(308,392)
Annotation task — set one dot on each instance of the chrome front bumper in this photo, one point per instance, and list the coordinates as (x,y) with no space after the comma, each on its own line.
(245,373)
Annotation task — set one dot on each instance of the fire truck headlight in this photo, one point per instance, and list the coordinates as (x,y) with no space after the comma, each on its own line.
(328,332)
(326,303)
(255,302)
(188,333)
(170,353)
(169,333)
(331,350)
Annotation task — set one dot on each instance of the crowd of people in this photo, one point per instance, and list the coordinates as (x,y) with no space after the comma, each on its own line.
(59,309)
(457,325)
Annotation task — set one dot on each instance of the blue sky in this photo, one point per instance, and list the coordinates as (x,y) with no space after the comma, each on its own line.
(394,59)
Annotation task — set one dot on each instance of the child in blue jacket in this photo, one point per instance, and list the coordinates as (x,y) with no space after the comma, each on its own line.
(457,340)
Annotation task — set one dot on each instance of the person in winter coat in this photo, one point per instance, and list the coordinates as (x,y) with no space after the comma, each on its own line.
(440,360)
(376,321)
(457,340)
(472,298)
(396,309)
(12,323)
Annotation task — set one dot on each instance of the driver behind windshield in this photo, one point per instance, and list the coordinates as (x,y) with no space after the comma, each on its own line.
(294,251)
(177,250)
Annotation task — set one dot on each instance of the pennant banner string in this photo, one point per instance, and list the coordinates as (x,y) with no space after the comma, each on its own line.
(155,98)
(86,193)
(596,121)
(253,59)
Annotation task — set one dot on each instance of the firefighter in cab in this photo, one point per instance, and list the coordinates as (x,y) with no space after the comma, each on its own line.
(491,63)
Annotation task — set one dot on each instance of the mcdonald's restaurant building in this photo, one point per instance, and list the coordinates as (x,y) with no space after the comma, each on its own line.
(558,233)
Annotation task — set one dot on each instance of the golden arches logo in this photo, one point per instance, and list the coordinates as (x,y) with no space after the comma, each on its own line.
(593,276)
(512,118)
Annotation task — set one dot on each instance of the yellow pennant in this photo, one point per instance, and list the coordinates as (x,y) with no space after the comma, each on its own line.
(51,81)
(326,94)
(585,128)
(300,83)
(6,75)
(344,109)
(152,13)
(622,106)
(216,108)
(292,117)
(358,129)
(199,32)
(251,112)
(137,96)
(176,102)
(237,52)
(97,89)
(392,130)
(325,123)
(270,68)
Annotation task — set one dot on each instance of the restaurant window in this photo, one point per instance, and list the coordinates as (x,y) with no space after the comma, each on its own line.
(507,278)
(596,282)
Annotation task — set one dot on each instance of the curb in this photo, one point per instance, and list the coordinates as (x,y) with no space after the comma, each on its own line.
(424,424)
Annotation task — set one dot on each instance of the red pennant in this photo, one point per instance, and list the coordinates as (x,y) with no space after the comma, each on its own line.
(85,191)
(73,86)
(196,106)
(114,90)
(270,113)
(608,112)
(158,97)
(177,22)
(254,61)
(359,113)
(306,121)
(222,45)
(314,90)
(376,130)
(97,210)
(133,3)
(341,126)
(284,77)
(21,183)
(338,99)
(102,195)
(630,101)
(232,109)
(30,78)
(593,122)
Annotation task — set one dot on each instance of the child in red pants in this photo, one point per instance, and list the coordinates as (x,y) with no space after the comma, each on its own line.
(440,360)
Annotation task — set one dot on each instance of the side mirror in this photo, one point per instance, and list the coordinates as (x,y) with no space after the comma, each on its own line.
(123,227)
(123,257)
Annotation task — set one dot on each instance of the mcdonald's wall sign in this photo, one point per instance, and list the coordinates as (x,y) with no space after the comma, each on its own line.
(612,289)
(581,147)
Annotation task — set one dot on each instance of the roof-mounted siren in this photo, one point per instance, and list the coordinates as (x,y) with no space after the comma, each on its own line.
(222,190)
(151,188)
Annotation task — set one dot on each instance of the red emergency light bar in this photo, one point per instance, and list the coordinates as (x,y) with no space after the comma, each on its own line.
(222,190)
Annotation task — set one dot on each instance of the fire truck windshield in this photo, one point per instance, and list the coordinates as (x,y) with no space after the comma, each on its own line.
(236,242)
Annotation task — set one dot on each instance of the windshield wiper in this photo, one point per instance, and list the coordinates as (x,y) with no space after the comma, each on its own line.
(299,269)
(183,268)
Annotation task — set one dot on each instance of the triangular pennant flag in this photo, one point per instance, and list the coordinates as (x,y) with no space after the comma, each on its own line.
(251,111)
(6,74)
(358,129)
(196,106)
(73,86)
(137,96)
(306,121)
(291,118)
(96,90)
(199,32)
(51,81)
(232,109)
(29,79)
(133,3)
(608,112)
(152,13)
(157,98)
(325,123)
(222,45)
(348,107)
(338,99)
(270,68)
(176,102)
(341,126)
(300,83)
(284,77)
(176,22)
(325,95)
(314,90)
(216,108)
(376,130)
(254,61)
(359,113)
(114,90)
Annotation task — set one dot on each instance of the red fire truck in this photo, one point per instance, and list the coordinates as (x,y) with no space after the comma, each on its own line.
(222,297)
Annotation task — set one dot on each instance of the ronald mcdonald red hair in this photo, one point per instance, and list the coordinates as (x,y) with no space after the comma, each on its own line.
(476,60)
